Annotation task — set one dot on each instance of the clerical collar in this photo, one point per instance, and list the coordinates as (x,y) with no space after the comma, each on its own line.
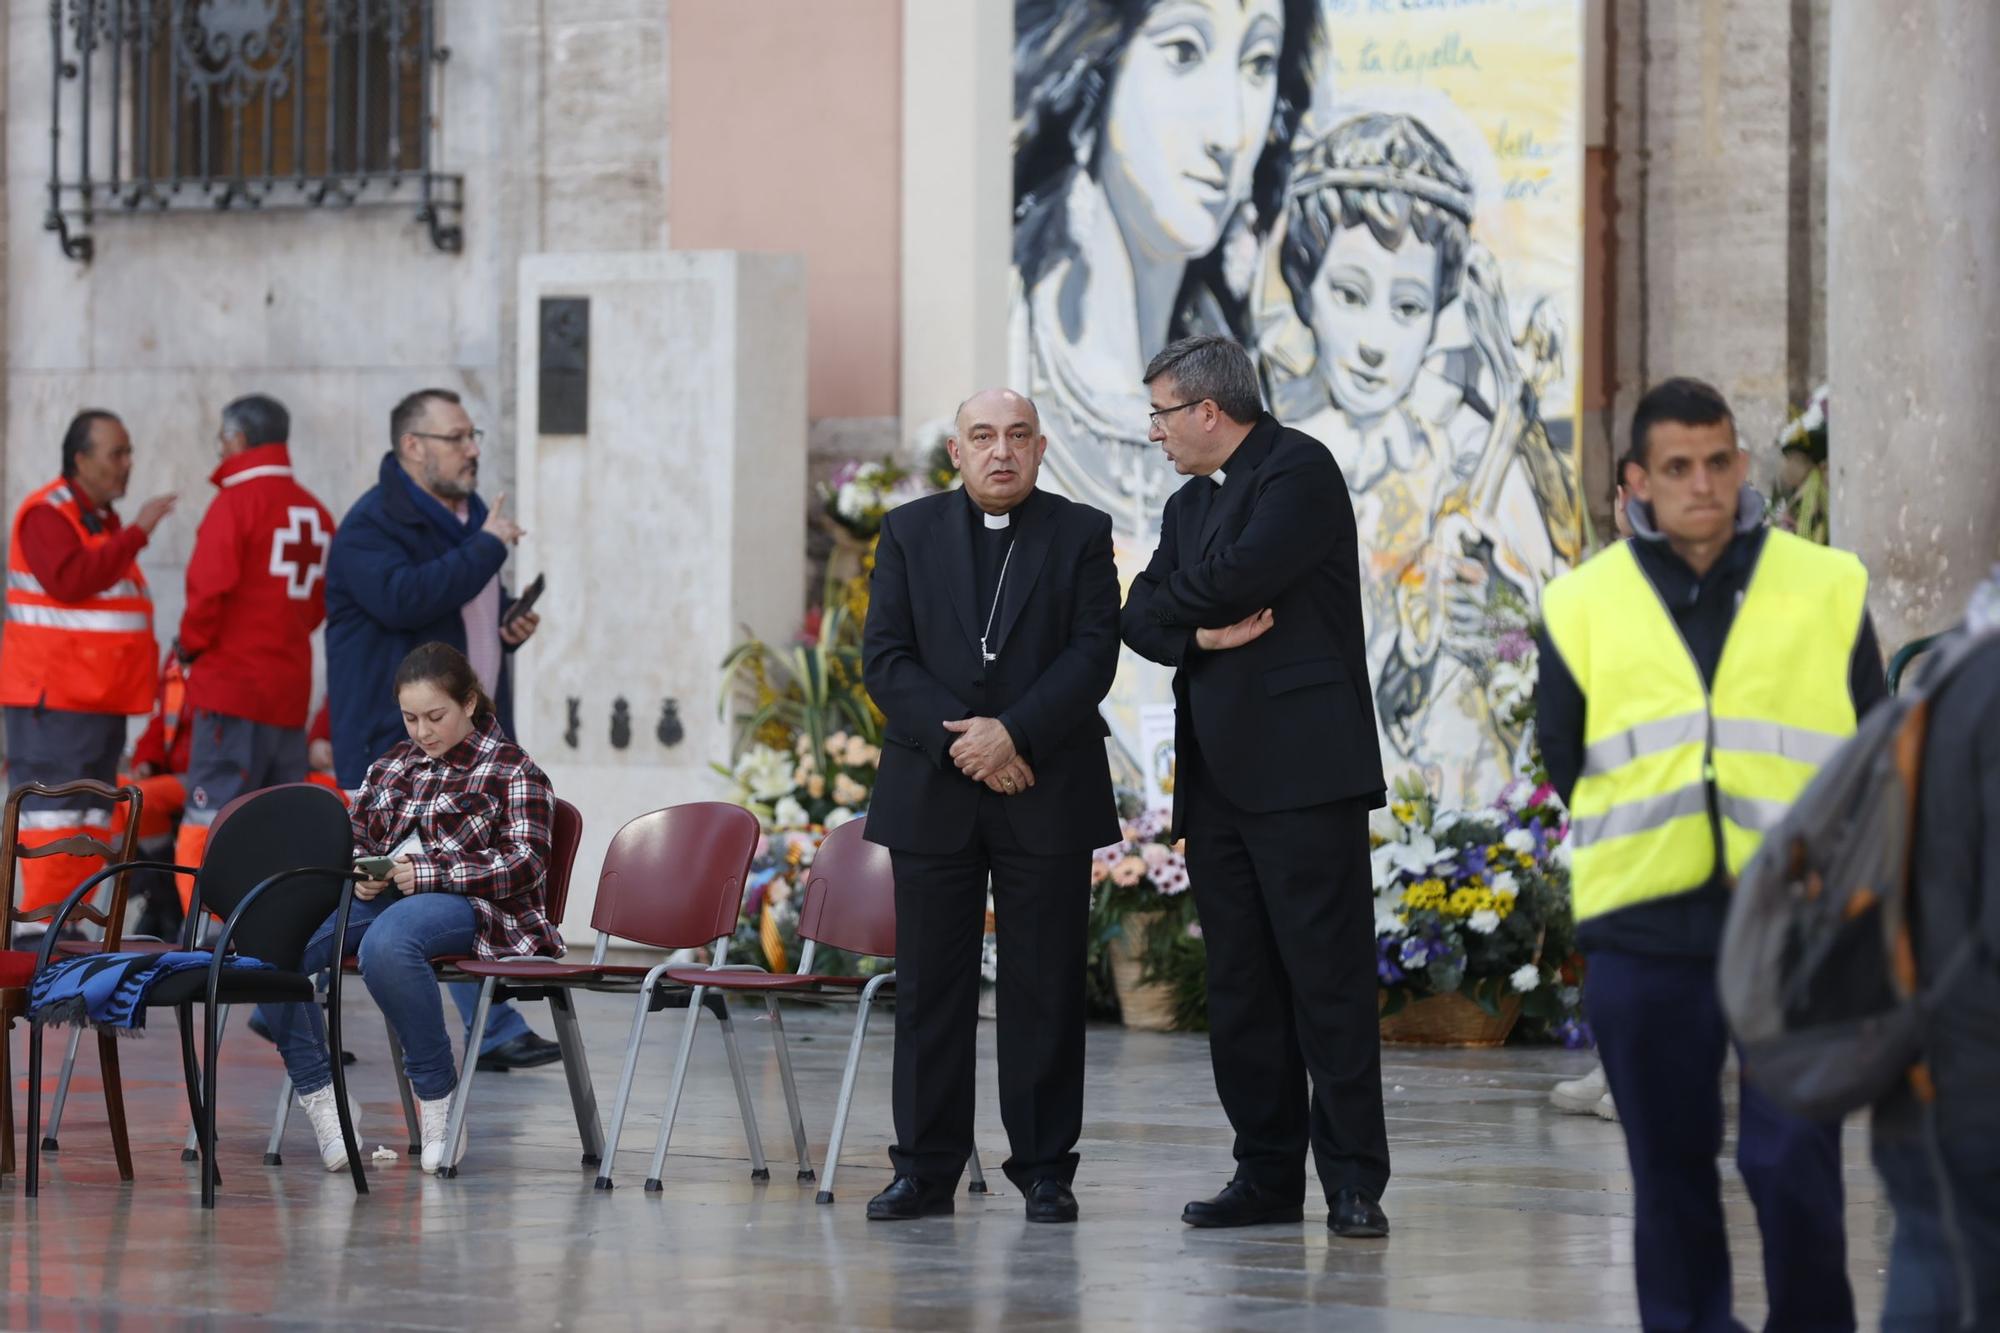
(1221,476)
(990,521)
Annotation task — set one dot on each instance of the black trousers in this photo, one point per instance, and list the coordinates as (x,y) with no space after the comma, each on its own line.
(1041,905)
(1287,912)
(1662,1037)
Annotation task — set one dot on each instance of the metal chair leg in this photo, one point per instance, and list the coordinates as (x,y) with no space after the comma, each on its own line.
(640,1014)
(576,1068)
(978,1185)
(342,1108)
(847,1078)
(791,1086)
(411,1128)
(62,1091)
(759,1168)
(462,1094)
(674,1091)
(279,1121)
(191,1149)
(211,1048)
(191,1076)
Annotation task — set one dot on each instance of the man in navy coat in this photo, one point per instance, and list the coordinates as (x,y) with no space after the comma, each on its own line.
(417,560)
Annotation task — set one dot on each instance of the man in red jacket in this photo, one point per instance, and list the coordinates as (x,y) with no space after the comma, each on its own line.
(256,591)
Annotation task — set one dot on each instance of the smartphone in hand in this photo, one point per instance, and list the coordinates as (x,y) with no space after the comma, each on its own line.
(375,867)
(525,602)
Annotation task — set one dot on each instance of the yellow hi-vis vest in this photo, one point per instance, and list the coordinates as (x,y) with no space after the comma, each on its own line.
(1656,740)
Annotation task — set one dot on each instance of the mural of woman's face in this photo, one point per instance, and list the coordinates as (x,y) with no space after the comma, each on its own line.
(1191,105)
(1373,314)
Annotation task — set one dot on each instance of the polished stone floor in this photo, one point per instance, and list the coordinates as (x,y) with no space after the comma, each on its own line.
(1507,1216)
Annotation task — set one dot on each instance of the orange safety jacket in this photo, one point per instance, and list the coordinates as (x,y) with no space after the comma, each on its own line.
(92,656)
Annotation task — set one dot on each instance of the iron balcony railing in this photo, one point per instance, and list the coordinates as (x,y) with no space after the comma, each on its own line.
(158,105)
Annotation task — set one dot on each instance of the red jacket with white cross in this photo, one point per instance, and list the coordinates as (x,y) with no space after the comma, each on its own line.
(256,591)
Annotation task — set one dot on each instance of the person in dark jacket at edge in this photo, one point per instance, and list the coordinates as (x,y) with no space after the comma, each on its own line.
(1676,730)
(417,560)
(1944,1263)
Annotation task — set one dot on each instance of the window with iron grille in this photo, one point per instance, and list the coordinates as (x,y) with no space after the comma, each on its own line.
(242,104)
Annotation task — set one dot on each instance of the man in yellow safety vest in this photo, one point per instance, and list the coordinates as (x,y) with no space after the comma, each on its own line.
(1693,680)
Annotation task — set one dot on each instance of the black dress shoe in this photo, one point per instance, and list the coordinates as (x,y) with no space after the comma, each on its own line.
(1051,1201)
(1356,1216)
(523,1052)
(906,1200)
(1242,1204)
(257,1026)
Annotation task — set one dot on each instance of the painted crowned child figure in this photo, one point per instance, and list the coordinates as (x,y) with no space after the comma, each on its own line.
(1463,507)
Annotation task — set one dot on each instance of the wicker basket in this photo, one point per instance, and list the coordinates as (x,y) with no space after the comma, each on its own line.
(1450,1020)
(1147,1006)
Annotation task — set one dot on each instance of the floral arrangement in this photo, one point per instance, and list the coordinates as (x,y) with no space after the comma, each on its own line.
(1139,894)
(809,738)
(859,495)
(1477,903)
(1808,428)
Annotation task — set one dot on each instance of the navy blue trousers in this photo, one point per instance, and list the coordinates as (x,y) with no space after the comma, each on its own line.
(1661,1035)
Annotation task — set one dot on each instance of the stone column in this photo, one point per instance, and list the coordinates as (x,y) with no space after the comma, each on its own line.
(1914,303)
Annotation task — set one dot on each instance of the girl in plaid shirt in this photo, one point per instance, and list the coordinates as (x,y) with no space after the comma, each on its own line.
(467,816)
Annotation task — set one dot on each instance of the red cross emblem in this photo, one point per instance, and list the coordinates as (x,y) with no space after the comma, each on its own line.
(298,552)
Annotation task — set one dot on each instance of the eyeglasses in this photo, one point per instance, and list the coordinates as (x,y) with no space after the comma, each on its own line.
(460,438)
(1159,412)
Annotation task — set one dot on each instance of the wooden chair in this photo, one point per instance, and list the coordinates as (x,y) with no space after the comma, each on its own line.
(17,966)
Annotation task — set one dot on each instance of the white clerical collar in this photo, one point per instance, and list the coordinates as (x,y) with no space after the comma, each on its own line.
(1221,476)
(997,520)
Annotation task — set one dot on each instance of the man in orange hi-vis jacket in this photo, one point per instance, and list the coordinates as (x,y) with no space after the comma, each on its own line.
(77,654)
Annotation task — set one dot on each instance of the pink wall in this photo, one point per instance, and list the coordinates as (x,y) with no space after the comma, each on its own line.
(785,133)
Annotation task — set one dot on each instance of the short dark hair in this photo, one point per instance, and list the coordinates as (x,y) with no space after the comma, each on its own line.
(1208,365)
(260,418)
(403,416)
(1685,402)
(444,666)
(77,438)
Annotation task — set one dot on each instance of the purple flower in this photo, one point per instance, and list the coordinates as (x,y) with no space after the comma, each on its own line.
(1513,645)
(1575,1034)
(1416,952)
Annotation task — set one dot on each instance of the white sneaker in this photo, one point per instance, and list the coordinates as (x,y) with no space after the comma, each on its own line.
(324,1113)
(435,1118)
(1580,1096)
(1606,1109)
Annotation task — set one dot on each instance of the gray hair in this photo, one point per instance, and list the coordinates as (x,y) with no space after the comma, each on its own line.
(1207,366)
(259,419)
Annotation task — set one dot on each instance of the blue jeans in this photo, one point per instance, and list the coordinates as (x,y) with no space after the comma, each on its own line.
(503,1020)
(1661,1034)
(1929,1281)
(396,943)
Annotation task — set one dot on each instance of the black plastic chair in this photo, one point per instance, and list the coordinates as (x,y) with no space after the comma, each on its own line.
(296,838)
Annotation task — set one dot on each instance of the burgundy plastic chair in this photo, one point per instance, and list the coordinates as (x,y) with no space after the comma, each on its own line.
(850,904)
(672,879)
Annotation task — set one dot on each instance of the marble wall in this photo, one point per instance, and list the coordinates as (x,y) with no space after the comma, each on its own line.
(667,530)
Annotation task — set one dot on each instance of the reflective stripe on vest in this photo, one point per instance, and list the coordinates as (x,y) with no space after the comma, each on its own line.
(95,655)
(1657,740)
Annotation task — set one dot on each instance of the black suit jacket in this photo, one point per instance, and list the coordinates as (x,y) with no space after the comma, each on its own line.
(1055,637)
(1288,720)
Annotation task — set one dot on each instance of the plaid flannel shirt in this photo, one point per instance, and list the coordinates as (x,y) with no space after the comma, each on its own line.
(484,812)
